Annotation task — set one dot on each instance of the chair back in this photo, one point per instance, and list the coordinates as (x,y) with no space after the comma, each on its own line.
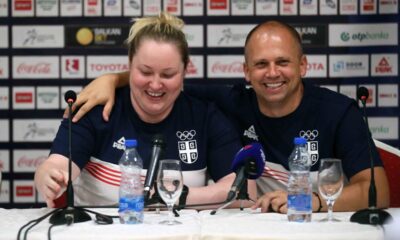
(390,157)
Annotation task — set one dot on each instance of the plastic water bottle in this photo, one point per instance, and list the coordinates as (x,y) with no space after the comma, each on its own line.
(299,186)
(131,200)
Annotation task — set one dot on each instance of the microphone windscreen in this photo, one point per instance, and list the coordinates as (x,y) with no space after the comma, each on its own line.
(70,96)
(362,93)
(251,156)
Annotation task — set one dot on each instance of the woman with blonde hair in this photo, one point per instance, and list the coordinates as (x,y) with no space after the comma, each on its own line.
(195,131)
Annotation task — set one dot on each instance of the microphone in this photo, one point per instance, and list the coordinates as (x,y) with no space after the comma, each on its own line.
(156,154)
(70,97)
(371,215)
(69,214)
(248,163)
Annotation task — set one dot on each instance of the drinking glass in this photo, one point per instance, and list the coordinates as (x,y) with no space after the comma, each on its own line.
(330,183)
(169,186)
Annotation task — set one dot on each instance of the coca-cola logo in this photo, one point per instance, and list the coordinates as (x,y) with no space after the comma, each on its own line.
(24,191)
(38,68)
(30,162)
(234,67)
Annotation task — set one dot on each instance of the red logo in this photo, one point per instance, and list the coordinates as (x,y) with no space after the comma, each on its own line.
(383,66)
(235,67)
(191,68)
(24,97)
(315,66)
(24,191)
(30,162)
(41,68)
(92,2)
(288,1)
(72,65)
(218,4)
(23,5)
(109,67)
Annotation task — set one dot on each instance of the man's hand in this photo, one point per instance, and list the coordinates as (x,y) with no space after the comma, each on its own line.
(272,201)
(100,91)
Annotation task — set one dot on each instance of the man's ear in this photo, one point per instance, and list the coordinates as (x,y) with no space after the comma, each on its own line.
(303,65)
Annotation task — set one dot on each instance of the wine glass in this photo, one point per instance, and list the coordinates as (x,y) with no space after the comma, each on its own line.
(330,183)
(169,186)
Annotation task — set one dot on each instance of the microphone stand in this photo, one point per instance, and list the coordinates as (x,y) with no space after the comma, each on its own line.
(372,214)
(241,196)
(69,214)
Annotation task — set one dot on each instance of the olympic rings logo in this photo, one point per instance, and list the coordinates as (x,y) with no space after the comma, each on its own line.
(186,135)
(309,135)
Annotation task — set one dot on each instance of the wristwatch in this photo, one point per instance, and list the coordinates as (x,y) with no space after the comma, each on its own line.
(183,197)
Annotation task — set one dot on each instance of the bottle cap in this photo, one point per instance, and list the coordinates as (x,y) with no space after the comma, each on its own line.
(299,140)
(130,143)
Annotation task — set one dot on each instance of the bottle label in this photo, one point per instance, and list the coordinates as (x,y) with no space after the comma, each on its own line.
(300,202)
(135,204)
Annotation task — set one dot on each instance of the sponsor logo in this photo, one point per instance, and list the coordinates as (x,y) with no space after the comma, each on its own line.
(312,35)
(383,66)
(228,36)
(96,36)
(35,131)
(191,68)
(47,97)
(38,36)
(47,5)
(363,34)
(218,4)
(134,4)
(72,65)
(120,144)
(187,146)
(92,2)
(384,127)
(24,97)
(32,37)
(251,133)
(37,68)
(3,67)
(108,67)
(233,67)
(342,65)
(225,66)
(5,191)
(24,191)
(23,5)
(4,161)
(345,36)
(26,162)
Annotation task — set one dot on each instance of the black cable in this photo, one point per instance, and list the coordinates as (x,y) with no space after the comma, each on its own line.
(49,231)
(38,220)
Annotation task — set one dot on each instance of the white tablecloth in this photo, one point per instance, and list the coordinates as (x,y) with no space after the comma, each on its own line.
(12,220)
(229,224)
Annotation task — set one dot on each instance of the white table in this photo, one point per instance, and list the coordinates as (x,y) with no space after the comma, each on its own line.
(229,224)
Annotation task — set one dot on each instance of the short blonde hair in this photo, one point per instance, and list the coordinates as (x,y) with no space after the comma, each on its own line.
(164,28)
